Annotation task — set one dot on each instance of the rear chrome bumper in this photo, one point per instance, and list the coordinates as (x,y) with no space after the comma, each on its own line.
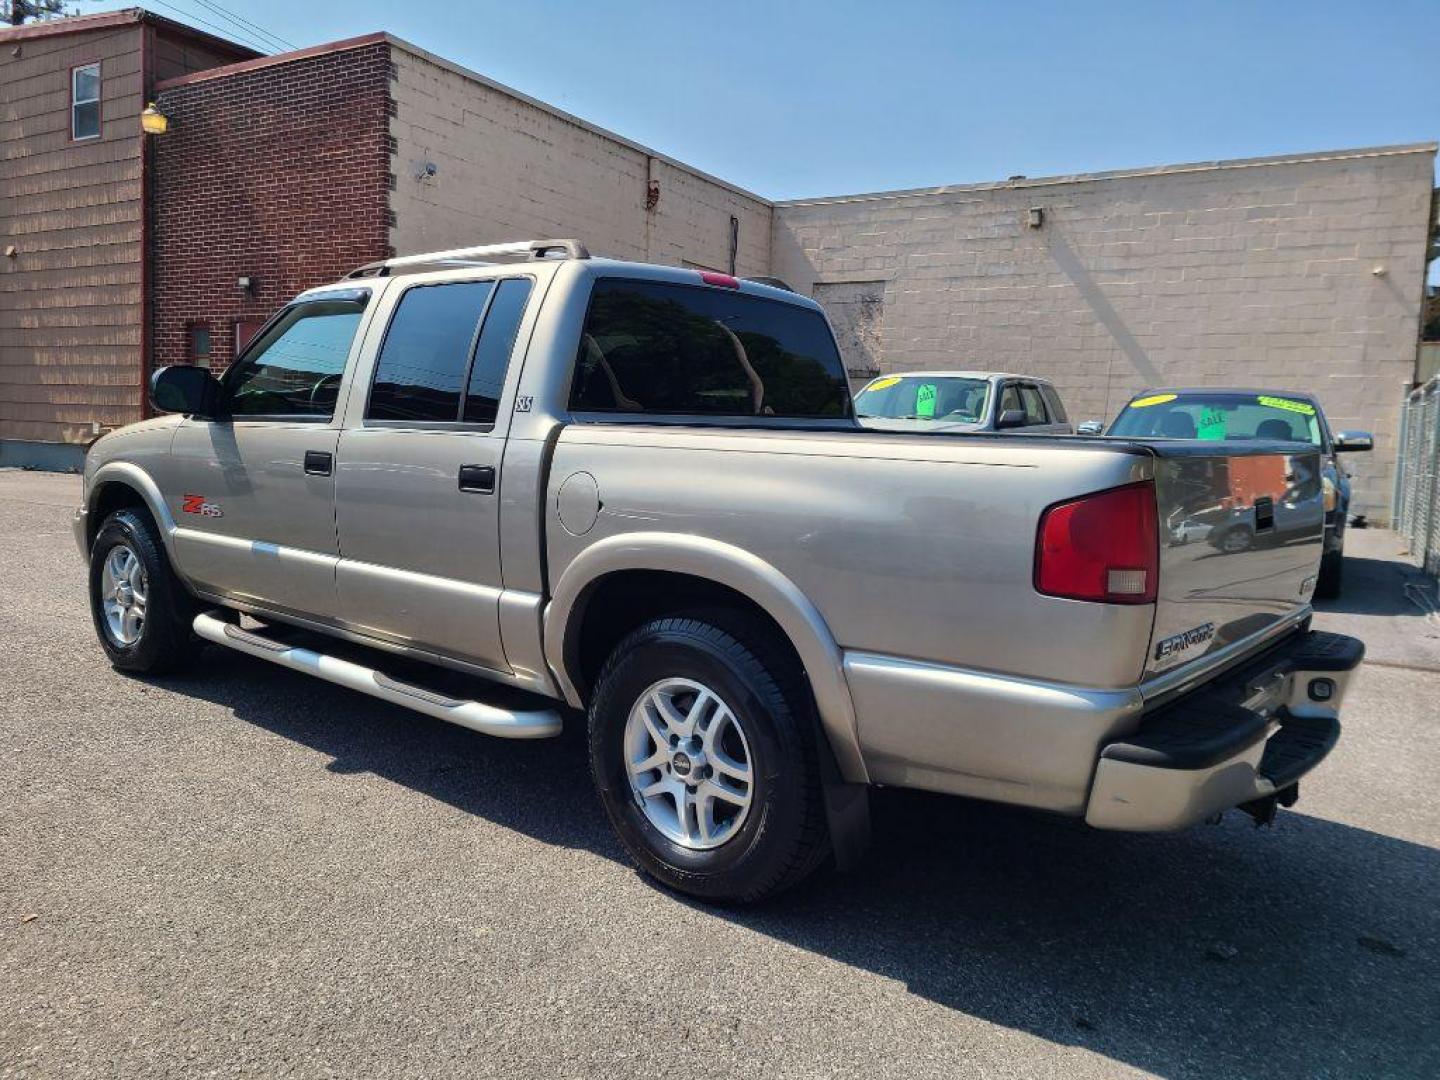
(1249,736)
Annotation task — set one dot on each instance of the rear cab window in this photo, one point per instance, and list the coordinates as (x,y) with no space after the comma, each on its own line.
(656,348)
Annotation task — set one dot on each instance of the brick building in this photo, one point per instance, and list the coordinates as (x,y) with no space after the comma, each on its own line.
(282,172)
(340,155)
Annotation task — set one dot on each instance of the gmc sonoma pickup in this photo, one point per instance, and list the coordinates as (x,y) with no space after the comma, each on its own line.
(641,491)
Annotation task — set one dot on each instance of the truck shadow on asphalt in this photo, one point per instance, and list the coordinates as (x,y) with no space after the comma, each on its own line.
(1303,950)
(1377,587)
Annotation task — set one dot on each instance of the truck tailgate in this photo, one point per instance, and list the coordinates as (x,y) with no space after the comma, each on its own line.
(1241,528)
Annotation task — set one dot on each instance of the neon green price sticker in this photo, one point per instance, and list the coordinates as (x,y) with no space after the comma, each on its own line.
(1211,425)
(925,400)
(1288,404)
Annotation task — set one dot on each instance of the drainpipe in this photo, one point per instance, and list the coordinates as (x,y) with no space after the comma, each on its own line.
(147,225)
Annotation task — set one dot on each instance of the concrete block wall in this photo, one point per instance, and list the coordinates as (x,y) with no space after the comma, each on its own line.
(507,167)
(1256,272)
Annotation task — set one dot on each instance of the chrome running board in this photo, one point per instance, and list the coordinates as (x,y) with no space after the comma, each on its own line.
(475,715)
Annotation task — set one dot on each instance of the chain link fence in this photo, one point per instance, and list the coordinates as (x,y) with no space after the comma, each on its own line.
(1417,483)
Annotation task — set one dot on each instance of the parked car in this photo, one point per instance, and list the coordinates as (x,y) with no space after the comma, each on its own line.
(639,491)
(1246,415)
(932,401)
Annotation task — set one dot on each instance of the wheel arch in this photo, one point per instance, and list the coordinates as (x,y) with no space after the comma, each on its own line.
(118,485)
(684,570)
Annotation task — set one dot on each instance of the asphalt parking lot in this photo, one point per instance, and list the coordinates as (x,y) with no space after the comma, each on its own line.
(245,872)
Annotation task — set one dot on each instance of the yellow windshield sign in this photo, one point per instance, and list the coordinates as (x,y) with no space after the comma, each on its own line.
(1289,404)
(1154,399)
(881,384)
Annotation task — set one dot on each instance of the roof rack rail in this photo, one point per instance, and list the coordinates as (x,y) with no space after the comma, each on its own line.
(488,253)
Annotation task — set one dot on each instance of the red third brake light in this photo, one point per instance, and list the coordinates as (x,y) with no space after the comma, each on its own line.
(725,281)
(1104,547)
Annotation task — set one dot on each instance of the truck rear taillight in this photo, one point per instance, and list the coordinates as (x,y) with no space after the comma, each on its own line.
(1104,547)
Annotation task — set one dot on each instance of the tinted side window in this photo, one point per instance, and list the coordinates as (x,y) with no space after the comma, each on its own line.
(427,350)
(492,356)
(1057,410)
(1010,399)
(657,347)
(1033,405)
(295,369)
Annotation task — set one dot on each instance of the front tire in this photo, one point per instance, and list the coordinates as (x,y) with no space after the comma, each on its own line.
(141,611)
(704,756)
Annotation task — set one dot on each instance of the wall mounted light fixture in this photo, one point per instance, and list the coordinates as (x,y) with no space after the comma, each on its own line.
(153,121)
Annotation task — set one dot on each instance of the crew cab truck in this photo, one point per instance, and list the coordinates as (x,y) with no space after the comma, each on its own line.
(641,492)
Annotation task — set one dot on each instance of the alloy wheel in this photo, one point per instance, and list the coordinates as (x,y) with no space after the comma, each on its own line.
(689,763)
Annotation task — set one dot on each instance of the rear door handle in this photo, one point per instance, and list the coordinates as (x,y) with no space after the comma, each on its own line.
(318,463)
(479,479)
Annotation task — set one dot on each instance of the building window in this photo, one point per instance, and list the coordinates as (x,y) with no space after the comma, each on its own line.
(200,346)
(85,101)
(245,329)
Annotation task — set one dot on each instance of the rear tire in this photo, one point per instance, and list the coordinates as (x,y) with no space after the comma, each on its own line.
(141,611)
(1332,573)
(719,727)
(1236,539)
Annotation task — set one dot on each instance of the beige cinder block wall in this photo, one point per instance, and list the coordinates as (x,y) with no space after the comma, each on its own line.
(508,167)
(1254,272)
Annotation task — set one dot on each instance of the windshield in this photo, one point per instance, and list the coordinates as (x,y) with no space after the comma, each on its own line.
(925,397)
(1220,417)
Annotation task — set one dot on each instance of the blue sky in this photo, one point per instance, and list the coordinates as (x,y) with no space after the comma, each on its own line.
(817,98)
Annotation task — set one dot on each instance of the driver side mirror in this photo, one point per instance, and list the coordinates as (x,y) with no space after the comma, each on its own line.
(181,388)
(1091,427)
(1350,441)
(1010,418)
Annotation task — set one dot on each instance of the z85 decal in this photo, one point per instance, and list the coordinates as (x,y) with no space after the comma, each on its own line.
(196,504)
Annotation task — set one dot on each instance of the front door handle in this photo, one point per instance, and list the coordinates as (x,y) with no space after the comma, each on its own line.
(479,479)
(318,463)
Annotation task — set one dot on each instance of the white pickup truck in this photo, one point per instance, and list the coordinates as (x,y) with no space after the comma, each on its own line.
(640,491)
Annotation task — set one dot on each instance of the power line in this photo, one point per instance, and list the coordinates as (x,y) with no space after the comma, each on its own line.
(244,38)
(240,20)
